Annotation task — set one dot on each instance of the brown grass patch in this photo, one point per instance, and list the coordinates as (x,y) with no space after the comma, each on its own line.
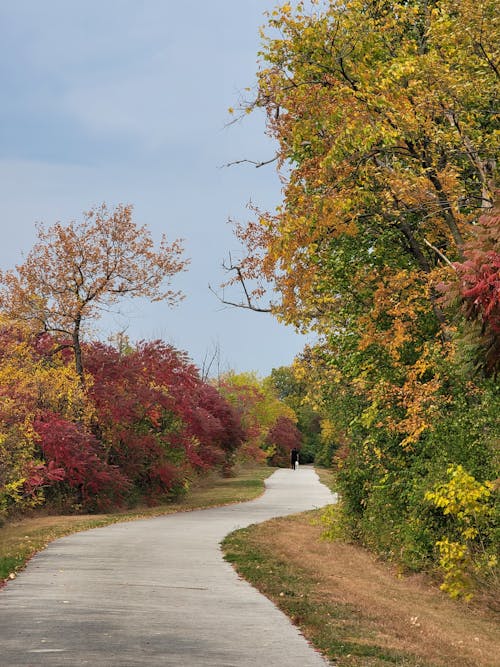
(401,613)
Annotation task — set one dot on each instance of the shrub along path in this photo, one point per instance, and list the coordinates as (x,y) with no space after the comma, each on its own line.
(156,592)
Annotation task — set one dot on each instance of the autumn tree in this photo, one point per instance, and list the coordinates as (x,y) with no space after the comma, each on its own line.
(385,121)
(387,151)
(259,407)
(31,385)
(144,425)
(158,421)
(281,438)
(294,392)
(75,271)
(387,154)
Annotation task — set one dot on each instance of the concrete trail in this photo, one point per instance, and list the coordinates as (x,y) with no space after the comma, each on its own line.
(156,592)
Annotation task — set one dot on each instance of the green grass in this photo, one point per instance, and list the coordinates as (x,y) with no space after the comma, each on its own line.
(337,630)
(326,477)
(22,537)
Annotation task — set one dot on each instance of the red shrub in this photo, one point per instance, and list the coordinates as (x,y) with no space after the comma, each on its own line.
(40,475)
(216,424)
(78,457)
(284,435)
(155,414)
(478,287)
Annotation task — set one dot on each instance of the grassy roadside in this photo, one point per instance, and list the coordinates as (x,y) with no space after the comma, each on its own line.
(20,539)
(326,477)
(356,610)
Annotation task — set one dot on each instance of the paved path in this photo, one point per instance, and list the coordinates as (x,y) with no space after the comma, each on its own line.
(156,592)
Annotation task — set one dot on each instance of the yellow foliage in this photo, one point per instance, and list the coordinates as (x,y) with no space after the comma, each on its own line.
(30,384)
(467,501)
(463,496)
(328,431)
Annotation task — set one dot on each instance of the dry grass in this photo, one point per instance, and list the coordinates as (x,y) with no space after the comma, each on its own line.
(370,615)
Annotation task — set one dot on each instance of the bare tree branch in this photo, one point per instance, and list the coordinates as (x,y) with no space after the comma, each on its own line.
(247,306)
(439,253)
(208,362)
(254,162)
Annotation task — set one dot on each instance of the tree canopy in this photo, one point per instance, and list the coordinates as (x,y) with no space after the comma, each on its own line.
(385,117)
(75,271)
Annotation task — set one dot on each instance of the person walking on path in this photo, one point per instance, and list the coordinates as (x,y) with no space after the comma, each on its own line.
(294,458)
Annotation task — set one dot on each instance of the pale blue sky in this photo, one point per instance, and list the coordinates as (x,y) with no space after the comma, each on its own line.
(126,101)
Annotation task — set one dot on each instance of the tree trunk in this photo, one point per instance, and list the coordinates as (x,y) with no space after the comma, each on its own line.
(78,351)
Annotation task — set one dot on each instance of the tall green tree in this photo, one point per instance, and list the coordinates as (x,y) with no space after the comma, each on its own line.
(293,392)
(385,116)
